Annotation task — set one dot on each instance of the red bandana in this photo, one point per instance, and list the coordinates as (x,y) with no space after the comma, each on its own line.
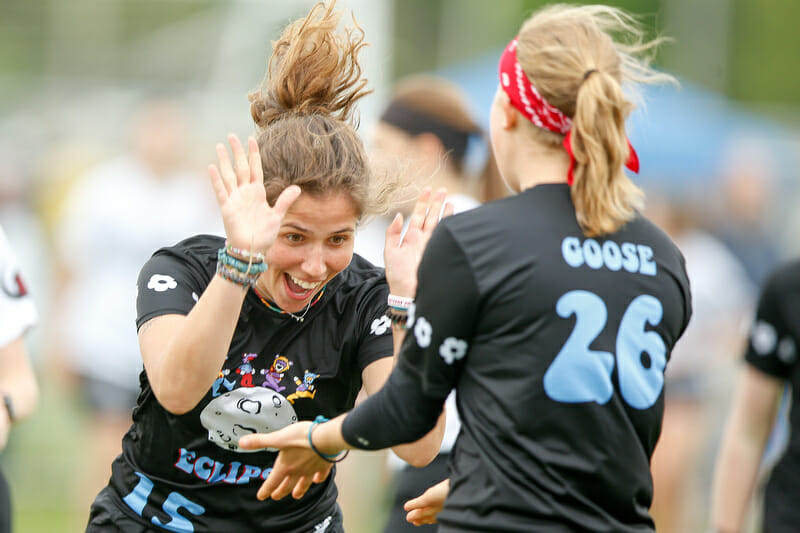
(527,100)
(525,97)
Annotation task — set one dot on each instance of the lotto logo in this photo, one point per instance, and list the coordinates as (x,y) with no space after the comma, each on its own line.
(161,283)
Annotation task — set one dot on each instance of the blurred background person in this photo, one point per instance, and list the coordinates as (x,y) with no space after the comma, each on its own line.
(770,366)
(698,375)
(18,384)
(744,220)
(427,134)
(113,219)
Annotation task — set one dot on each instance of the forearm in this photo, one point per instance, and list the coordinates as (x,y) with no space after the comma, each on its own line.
(748,427)
(196,347)
(735,478)
(397,414)
(424,450)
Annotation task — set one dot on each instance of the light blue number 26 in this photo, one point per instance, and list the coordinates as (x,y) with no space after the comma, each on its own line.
(580,374)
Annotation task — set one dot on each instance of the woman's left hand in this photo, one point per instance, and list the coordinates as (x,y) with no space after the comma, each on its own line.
(296,466)
(402,253)
(425,508)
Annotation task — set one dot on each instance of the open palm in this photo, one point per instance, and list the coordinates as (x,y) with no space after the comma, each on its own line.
(250,223)
(403,252)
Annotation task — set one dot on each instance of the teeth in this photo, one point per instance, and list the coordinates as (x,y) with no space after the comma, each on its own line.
(305,284)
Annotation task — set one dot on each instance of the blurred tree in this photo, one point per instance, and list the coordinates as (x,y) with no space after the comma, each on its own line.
(433,33)
(764,51)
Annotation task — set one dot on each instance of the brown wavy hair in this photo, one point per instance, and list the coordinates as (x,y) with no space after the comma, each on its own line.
(305,112)
(578,57)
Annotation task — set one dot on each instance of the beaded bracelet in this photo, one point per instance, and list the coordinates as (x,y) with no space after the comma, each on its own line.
(244,267)
(399,318)
(234,275)
(400,303)
(330,458)
(245,255)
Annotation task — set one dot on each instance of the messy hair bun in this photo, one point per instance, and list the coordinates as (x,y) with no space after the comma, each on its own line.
(305,114)
(313,70)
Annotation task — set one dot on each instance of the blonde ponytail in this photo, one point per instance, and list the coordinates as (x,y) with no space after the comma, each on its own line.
(571,54)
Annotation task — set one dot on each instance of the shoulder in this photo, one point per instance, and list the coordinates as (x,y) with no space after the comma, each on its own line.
(5,249)
(197,253)
(197,245)
(360,274)
(784,279)
(642,229)
(359,284)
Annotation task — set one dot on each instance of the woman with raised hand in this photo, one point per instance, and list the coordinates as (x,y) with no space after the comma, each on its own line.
(279,322)
(552,312)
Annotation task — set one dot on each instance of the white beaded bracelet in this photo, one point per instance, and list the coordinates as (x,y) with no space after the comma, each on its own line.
(400,302)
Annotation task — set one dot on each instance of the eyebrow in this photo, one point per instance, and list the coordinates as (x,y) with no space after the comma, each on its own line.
(301,229)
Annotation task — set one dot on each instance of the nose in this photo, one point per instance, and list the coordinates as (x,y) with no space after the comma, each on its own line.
(314,262)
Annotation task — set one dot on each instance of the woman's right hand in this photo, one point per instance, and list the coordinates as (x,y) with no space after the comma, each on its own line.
(250,223)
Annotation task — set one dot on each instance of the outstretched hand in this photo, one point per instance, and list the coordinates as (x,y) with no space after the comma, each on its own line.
(424,509)
(296,466)
(250,223)
(403,253)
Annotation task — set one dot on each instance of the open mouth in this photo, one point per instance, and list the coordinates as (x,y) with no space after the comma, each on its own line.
(298,289)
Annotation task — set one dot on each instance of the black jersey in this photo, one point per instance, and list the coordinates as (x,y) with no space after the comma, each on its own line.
(772,348)
(185,472)
(556,345)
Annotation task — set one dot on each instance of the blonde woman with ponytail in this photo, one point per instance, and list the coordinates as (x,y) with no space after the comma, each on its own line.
(275,323)
(552,313)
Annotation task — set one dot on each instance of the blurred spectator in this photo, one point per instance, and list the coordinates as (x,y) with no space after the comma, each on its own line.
(697,375)
(771,365)
(425,133)
(19,190)
(17,380)
(114,218)
(746,200)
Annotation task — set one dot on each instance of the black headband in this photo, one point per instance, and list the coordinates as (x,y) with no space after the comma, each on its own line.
(415,122)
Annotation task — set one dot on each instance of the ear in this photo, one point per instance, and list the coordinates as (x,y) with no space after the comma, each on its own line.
(510,113)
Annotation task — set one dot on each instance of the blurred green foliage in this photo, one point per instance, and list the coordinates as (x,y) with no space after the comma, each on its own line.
(742,48)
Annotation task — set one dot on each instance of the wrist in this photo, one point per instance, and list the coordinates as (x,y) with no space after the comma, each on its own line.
(243,253)
(320,448)
(404,290)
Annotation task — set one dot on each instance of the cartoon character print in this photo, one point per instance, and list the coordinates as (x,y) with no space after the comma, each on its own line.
(222,381)
(273,376)
(305,387)
(246,370)
(244,411)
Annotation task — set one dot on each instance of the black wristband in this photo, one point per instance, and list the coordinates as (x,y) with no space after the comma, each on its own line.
(398,318)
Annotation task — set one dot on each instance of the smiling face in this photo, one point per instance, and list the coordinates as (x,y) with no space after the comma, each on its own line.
(314,243)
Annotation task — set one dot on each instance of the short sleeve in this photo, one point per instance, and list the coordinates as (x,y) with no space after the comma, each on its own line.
(167,284)
(772,348)
(375,327)
(443,319)
(17,310)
